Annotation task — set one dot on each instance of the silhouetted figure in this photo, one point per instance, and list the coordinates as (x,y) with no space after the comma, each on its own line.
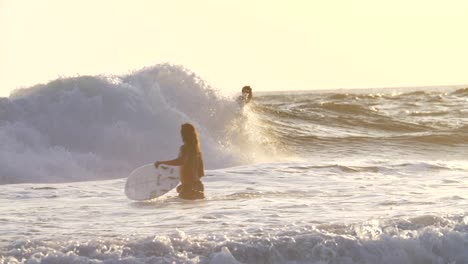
(246,96)
(191,165)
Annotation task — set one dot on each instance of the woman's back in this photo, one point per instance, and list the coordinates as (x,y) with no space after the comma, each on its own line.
(193,168)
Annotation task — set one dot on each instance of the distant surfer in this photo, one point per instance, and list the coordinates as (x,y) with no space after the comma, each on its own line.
(191,165)
(246,96)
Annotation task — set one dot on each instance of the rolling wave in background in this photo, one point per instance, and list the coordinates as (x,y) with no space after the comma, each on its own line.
(428,124)
(98,127)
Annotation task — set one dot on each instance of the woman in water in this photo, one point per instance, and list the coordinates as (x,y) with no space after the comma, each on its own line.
(191,165)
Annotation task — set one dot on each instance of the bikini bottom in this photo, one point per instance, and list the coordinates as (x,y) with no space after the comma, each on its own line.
(191,191)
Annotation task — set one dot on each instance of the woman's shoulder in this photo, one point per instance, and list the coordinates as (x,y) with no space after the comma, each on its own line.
(185,149)
(182,150)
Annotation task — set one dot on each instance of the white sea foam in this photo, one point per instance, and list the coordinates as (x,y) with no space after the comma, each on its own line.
(367,213)
(360,243)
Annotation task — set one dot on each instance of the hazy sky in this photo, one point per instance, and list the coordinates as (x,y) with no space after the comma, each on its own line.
(271,45)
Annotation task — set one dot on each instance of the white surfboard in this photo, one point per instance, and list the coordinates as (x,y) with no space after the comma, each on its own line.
(147,182)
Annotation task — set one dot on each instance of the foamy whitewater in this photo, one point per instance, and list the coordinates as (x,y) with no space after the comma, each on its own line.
(344,176)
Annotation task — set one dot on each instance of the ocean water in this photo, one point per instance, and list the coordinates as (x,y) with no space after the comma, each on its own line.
(343,176)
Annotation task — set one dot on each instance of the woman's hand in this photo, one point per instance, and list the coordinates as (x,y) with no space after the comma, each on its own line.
(157,163)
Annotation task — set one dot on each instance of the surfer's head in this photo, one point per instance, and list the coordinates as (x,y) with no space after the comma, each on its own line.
(247,89)
(247,93)
(190,136)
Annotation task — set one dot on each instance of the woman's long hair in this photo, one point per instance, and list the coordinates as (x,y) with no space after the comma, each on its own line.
(190,137)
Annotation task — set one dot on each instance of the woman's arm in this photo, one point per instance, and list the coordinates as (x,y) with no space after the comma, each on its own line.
(179,161)
(175,162)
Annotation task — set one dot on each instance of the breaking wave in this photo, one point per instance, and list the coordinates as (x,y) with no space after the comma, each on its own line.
(99,127)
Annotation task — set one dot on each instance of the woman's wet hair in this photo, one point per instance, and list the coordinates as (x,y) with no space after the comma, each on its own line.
(190,136)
